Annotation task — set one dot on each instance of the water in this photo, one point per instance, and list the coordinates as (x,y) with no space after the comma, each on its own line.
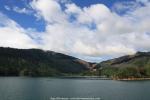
(23,88)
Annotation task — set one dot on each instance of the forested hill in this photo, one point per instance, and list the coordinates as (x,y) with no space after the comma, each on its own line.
(140,59)
(36,62)
(137,65)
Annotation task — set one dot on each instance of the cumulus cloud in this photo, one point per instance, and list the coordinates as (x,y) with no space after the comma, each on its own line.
(125,7)
(13,35)
(50,10)
(94,31)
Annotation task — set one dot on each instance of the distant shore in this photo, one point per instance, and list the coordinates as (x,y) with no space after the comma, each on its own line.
(90,78)
(131,79)
(85,77)
(104,78)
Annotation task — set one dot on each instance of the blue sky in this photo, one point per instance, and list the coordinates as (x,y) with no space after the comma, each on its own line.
(93,30)
(26,21)
(30,21)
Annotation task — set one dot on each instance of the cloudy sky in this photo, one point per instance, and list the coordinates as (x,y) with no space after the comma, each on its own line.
(93,30)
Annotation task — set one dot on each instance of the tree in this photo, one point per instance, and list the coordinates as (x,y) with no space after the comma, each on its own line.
(127,72)
(109,71)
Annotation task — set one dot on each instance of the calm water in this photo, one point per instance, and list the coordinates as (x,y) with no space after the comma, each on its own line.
(22,88)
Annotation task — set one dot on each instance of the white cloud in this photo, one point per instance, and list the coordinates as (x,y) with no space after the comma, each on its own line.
(50,10)
(113,35)
(94,13)
(125,6)
(12,35)
(7,7)
(18,10)
(94,31)
(21,10)
(72,8)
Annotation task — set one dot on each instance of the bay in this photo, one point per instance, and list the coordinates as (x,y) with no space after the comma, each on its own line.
(27,88)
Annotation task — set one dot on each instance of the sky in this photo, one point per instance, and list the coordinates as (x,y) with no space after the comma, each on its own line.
(92,30)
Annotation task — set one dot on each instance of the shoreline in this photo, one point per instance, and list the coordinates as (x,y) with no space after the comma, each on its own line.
(85,77)
(103,78)
(132,79)
(88,77)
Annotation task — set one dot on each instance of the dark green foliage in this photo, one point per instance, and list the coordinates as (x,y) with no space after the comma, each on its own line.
(124,72)
(147,70)
(35,62)
(127,72)
(137,65)
(140,59)
(109,71)
(90,73)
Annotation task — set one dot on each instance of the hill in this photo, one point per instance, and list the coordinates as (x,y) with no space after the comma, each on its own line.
(137,65)
(36,62)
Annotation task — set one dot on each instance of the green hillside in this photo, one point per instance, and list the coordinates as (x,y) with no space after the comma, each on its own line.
(36,62)
(137,65)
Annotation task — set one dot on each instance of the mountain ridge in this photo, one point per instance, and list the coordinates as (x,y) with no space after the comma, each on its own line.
(129,66)
(37,62)
(25,61)
(126,58)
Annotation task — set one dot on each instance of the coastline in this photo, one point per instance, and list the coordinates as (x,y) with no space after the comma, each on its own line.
(85,77)
(131,79)
(88,77)
(103,78)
